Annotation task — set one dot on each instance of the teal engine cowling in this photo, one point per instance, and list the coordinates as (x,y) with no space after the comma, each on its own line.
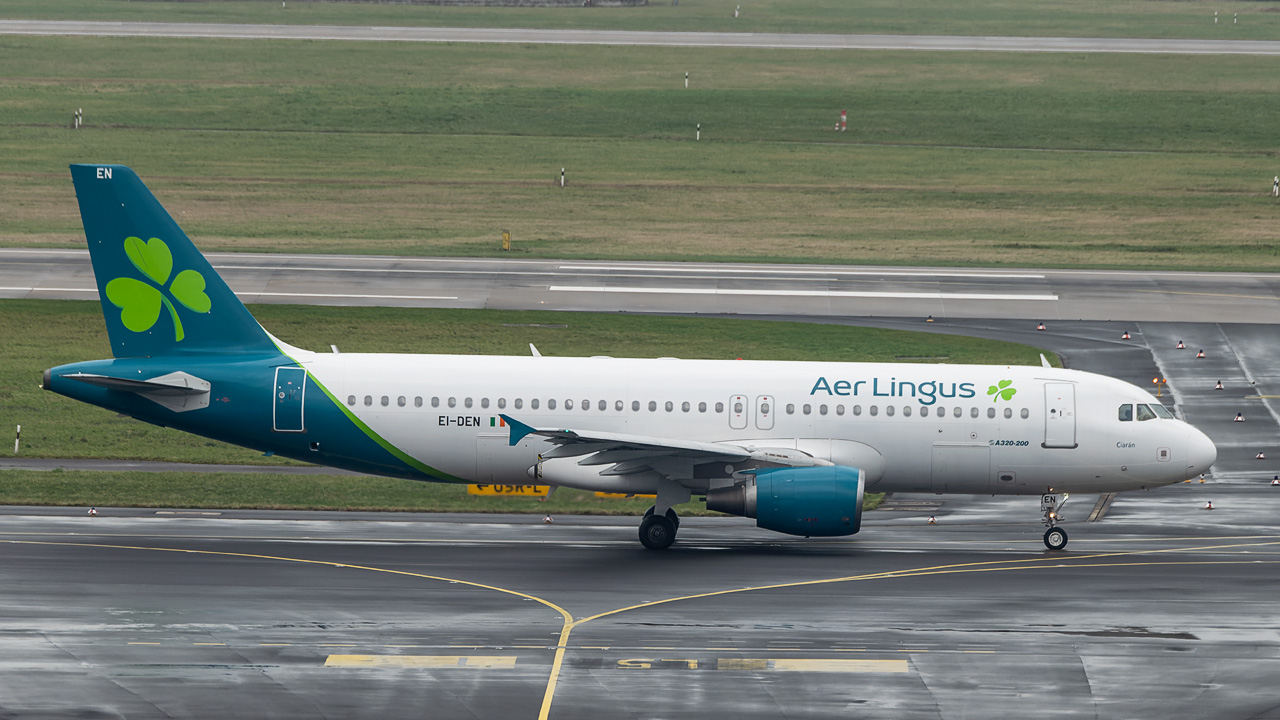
(809,501)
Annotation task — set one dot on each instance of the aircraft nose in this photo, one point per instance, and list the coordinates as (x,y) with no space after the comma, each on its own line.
(1201,453)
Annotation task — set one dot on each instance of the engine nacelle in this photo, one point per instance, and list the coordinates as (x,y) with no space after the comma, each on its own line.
(809,501)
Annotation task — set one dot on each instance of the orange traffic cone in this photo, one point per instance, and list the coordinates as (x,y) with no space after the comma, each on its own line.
(1181,346)
(933,520)
(929,319)
(1208,505)
(1261,456)
(1040,326)
(1125,336)
(1275,480)
(1200,354)
(1239,417)
(1218,386)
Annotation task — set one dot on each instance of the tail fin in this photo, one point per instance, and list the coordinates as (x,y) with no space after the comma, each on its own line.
(159,295)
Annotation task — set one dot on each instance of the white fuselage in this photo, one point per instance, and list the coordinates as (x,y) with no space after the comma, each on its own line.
(911,427)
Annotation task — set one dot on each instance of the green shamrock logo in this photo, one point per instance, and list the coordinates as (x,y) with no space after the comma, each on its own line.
(1003,391)
(140,301)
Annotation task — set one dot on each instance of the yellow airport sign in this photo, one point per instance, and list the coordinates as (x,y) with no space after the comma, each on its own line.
(621,496)
(510,490)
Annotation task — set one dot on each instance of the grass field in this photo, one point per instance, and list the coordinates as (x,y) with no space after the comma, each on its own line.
(952,158)
(42,334)
(1071,18)
(294,492)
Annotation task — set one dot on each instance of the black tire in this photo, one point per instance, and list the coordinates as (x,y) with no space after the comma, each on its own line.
(1055,538)
(671,515)
(657,533)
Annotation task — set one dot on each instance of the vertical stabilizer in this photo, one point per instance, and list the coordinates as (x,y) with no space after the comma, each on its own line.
(159,295)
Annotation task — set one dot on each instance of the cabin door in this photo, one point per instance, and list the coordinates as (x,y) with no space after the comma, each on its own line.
(1059,415)
(291,390)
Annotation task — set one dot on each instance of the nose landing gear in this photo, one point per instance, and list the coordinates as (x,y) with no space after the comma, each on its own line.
(1055,538)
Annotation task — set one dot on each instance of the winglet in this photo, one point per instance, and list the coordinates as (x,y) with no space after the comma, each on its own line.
(518,429)
(1044,361)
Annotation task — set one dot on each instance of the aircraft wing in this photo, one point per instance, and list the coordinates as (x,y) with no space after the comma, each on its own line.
(673,457)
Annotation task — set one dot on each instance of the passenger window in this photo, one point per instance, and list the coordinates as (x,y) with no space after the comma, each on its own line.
(702,407)
(568,404)
(484,402)
(719,407)
(991,412)
(973,412)
(467,402)
(453,402)
(385,401)
(684,407)
(1145,413)
(617,405)
(957,411)
(906,411)
(551,404)
(669,406)
(604,405)
(840,410)
(502,403)
(822,409)
(435,402)
(1126,413)
(806,409)
(1162,411)
(351,399)
(533,404)
(924,411)
(519,403)
(888,410)
(857,409)
(400,401)
(1008,413)
(1025,413)
(873,410)
(635,406)
(368,400)
(417,402)
(942,412)
(791,409)
(653,406)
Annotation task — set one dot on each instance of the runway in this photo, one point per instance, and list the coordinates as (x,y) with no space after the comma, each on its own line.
(704,288)
(627,37)
(131,614)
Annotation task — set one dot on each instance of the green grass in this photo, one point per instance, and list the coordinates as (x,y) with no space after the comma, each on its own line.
(43,333)
(294,492)
(1122,18)
(1155,161)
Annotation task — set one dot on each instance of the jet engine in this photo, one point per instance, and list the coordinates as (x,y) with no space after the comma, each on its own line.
(809,501)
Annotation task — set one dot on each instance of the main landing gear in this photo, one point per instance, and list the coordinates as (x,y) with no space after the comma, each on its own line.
(1055,538)
(657,532)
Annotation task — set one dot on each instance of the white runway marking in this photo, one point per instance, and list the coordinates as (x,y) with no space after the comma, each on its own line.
(803,293)
(825,271)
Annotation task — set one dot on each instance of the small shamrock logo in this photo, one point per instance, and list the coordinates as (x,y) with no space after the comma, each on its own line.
(1002,391)
(140,301)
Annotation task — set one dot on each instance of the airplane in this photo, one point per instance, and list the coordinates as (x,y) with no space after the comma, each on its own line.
(794,445)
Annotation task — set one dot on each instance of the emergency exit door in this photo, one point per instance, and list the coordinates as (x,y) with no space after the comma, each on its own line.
(291,390)
(1059,415)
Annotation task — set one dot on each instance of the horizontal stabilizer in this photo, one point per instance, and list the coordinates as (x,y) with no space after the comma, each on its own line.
(177,391)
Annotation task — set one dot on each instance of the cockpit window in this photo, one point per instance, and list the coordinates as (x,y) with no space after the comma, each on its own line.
(1145,413)
(1126,413)
(1161,411)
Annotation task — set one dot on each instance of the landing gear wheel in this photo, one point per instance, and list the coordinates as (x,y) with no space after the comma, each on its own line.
(1055,538)
(657,532)
(671,515)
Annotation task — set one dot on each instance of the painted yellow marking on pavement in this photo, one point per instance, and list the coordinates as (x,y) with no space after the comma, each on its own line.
(842,666)
(750,664)
(421,661)
(1205,294)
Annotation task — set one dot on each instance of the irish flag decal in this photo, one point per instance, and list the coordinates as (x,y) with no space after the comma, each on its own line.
(496,421)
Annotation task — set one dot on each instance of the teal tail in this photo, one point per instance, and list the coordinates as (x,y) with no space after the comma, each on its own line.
(159,295)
